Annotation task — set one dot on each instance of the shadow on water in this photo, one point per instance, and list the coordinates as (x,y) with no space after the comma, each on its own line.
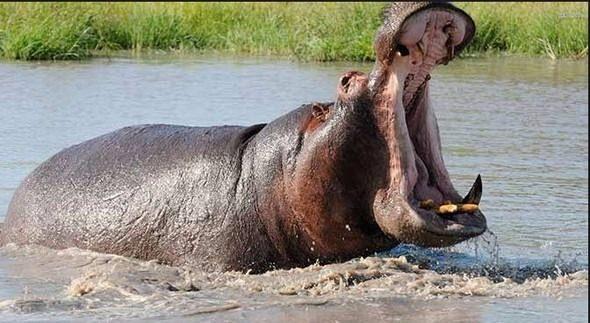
(486,261)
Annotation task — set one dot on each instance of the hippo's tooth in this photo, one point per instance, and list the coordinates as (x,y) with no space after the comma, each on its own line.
(428,204)
(447,209)
(468,208)
(474,195)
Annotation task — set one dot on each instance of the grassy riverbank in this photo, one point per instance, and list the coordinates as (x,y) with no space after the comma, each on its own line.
(305,31)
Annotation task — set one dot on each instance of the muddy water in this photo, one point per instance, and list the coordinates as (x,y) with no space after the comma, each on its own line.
(521,123)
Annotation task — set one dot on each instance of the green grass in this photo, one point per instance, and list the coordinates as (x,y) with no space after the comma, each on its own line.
(546,29)
(305,31)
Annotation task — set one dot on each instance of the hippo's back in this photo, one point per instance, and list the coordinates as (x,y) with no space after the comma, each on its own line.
(131,192)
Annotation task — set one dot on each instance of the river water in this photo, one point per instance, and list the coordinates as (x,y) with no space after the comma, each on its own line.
(521,123)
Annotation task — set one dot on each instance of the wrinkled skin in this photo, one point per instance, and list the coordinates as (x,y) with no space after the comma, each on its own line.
(326,182)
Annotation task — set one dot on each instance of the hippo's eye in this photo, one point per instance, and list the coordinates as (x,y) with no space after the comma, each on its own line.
(403,50)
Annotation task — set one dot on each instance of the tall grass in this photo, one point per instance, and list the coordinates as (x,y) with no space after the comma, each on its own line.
(306,31)
(547,29)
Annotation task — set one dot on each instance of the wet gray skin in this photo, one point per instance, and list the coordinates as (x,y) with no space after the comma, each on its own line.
(326,182)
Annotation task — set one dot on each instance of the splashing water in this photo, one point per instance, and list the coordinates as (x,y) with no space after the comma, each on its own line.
(487,261)
(85,283)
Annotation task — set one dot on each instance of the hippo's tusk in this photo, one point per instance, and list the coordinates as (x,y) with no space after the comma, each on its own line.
(474,195)
(450,31)
(422,47)
(450,51)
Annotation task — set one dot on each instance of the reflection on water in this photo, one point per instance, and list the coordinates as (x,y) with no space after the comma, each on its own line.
(521,123)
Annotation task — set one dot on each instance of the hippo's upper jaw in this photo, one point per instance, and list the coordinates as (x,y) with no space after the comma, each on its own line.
(420,204)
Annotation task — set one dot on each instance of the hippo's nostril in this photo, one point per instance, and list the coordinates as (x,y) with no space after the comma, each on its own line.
(345,82)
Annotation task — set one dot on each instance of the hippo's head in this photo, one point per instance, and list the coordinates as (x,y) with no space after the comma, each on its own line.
(418,204)
(366,172)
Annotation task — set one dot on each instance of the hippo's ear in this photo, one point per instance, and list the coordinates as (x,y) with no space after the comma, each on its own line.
(316,115)
(320,111)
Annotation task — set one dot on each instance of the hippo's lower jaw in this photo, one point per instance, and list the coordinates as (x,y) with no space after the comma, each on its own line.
(409,223)
(411,208)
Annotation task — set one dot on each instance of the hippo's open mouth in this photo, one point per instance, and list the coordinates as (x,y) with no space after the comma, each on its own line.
(429,211)
(433,195)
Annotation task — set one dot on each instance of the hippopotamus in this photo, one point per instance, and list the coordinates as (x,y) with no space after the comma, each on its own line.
(326,182)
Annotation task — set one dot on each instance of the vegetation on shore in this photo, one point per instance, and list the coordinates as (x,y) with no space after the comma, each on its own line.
(305,31)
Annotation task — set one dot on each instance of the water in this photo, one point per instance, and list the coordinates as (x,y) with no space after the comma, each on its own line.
(521,123)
